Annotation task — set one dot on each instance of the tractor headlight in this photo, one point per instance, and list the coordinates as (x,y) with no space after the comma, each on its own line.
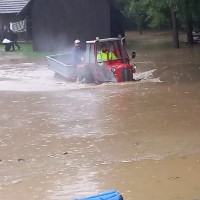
(113,70)
(134,66)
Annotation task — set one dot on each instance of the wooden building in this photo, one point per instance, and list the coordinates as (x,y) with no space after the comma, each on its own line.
(57,23)
(9,10)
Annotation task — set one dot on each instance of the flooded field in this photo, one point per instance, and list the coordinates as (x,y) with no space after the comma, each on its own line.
(60,141)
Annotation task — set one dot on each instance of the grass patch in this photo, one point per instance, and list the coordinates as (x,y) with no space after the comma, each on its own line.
(27,50)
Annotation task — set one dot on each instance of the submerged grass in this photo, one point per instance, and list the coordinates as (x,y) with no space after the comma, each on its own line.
(146,46)
(153,41)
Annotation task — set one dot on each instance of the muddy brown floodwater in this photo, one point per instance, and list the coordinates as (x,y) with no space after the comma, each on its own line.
(60,141)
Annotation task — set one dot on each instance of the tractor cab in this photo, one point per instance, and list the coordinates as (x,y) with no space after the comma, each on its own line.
(108,60)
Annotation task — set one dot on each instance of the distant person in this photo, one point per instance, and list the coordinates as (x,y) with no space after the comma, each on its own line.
(113,52)
(104,74)
(12,37)
(77,53)
(7,39)
(76,59)
(105,54)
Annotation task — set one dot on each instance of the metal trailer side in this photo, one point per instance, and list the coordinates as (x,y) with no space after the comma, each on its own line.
(60,64)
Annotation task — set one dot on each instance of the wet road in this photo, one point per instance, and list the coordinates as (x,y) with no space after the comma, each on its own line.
(63,140)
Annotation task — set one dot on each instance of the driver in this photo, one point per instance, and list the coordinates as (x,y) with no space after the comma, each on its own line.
(105,54)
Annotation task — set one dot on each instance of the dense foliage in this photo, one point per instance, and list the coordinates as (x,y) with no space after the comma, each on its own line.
(158,14)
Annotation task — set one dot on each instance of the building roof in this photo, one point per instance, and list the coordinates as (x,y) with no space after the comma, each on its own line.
(12,6)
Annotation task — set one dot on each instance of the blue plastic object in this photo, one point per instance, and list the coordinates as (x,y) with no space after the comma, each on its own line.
(107,195)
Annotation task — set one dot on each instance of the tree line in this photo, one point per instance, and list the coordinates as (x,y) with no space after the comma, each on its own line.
(161,14)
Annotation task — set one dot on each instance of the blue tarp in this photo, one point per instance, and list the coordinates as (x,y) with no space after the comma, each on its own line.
(107,195)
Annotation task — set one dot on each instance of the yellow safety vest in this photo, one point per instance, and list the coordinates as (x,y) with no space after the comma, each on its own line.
(102,56)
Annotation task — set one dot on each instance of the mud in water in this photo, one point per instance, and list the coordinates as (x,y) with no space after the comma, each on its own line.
(62,140)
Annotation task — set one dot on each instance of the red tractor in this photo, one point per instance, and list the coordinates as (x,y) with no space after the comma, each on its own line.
(93,69)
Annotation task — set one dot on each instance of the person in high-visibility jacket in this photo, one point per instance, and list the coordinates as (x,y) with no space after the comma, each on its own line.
(105,55)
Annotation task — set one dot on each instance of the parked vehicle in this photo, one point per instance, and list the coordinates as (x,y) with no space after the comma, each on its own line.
(118,69)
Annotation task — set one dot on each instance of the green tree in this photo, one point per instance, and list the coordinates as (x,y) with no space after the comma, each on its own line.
(135,11)
(158,15)
(161,13)
(157,18)
(186,11)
